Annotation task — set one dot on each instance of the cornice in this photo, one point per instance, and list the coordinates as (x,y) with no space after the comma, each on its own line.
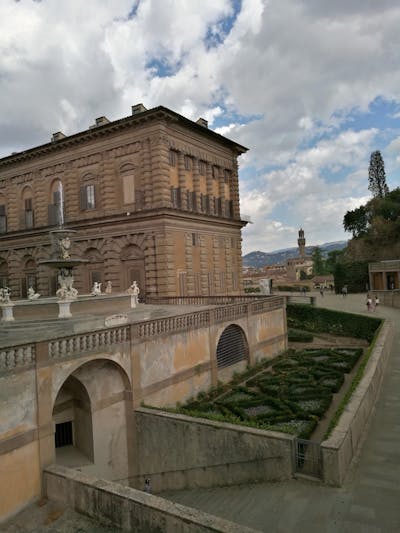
(158,113)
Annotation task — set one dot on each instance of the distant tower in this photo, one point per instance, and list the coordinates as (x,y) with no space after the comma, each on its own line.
(302,244)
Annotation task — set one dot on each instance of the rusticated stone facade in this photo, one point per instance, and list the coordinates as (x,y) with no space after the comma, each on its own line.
(153,197)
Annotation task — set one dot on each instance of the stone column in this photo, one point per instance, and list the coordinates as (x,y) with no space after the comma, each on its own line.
(146,172)
(41,200)
(151,266)
(189,264)
(160,169)
(182,180)
(209,183)
(107,185)
(234,190)
(196,185)
(71,194)
(166,275)
(203,265)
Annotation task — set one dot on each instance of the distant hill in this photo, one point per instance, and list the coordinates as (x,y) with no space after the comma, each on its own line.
(278,257)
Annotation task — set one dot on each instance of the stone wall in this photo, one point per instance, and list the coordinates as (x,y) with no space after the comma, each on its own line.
(178,451)
(389,298)
(127,508)
(341,447)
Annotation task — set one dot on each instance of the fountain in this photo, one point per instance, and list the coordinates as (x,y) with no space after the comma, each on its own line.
(61,241)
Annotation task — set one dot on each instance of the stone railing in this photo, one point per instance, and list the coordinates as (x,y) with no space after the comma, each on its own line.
(171,324)
(87,342)
(230,308)
(18,356)
(212,300)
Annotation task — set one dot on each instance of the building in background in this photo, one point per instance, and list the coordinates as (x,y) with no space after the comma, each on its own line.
(303,263)
(153,197)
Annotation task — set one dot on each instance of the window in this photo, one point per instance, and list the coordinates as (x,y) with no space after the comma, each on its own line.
(88,197)
(188,162)
(202,168)
(28,213)
(56,208)
(232,347)
(172,158)
(3,219)
(176,197)
(215,172)
(195,239)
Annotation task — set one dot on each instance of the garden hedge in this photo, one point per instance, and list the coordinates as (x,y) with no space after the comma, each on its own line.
(318,320)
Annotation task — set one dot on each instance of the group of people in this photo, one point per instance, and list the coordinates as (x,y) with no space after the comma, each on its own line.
(372,303)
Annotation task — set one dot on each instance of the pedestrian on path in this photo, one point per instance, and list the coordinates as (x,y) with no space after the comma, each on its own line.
(321,291)
(147,487)
(376,302)
(344,291)
(369,303)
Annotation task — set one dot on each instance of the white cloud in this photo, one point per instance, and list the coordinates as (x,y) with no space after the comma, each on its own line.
(285,80)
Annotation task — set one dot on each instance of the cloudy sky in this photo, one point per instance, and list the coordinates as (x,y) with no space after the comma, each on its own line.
(310,86)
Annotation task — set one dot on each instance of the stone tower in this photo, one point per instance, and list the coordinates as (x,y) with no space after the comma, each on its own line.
(301,241)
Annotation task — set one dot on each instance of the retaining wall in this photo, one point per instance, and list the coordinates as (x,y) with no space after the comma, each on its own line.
(389,298)
(126,508)
(340,448)
(178,451)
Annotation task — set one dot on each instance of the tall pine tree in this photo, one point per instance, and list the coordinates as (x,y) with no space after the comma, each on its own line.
(376,176)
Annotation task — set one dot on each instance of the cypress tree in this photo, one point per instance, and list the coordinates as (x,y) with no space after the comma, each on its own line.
(376,176)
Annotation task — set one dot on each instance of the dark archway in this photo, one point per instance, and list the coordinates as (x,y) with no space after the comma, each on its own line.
(232,346)
(91,417)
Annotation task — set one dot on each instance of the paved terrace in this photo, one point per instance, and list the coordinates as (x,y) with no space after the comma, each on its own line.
(37,321)
(369,501)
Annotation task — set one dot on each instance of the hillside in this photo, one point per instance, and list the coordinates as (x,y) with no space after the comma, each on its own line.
(259,259)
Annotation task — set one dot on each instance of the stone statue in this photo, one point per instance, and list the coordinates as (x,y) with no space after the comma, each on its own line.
(108,289)
(65,245)
(32,295)
(96,289)
(66,281)
(134,292)
(5,295)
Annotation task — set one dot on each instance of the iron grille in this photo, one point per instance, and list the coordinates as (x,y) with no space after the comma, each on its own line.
(232,347)
(308,457)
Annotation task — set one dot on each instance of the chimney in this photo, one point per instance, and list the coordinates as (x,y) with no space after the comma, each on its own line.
(57,136)
(202,122)
(100,121)
(138,108)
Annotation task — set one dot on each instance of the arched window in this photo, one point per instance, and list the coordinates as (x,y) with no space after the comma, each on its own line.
(88,193)
(27,208)
(232,346)
(56,205)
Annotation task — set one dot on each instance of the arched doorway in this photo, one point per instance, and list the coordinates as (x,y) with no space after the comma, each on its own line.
(232,347)
(91,420)
(133,267)
(72,417)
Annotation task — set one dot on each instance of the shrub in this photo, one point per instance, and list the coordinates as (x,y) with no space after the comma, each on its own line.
(335,322)
(297,335)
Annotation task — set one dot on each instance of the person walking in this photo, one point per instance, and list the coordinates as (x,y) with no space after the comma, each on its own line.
(369,303)
(344,291)
(376,302)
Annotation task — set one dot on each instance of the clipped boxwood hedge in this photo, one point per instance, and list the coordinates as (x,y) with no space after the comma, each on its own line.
(298,335)
(320,320)
(290,393)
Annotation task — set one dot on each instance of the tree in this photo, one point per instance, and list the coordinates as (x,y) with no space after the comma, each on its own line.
(376,176)
(318,262)
(356,221)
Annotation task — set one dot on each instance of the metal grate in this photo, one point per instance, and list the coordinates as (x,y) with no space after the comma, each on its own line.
(308,458)
(232,346)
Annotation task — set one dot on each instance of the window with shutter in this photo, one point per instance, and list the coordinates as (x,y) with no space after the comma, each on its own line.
(3,219)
